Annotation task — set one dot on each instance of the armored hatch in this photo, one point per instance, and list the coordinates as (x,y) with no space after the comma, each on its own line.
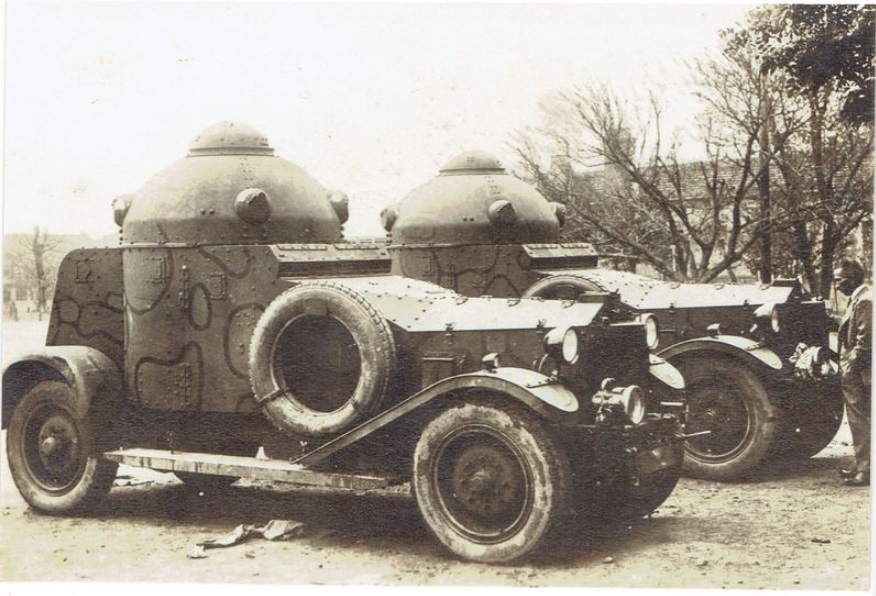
(473,228)
(231,189)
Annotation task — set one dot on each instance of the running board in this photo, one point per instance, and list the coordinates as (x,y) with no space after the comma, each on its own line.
(242,467)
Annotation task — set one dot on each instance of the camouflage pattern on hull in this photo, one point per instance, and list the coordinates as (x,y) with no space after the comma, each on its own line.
(88,306)
(499,270)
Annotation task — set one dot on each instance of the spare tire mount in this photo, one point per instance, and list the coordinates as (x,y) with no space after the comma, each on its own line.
(321,360)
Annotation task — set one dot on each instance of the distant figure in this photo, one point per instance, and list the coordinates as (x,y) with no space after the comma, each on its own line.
(13,311)
(855,341)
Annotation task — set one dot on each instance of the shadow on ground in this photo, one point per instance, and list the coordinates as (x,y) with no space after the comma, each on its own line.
(370,522)
(389,521)
(791,468)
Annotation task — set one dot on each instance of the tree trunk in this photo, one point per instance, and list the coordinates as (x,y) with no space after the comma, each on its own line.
(866,244)
(824,194)
(763,191)
(39,248)
(803,253)
(828,248)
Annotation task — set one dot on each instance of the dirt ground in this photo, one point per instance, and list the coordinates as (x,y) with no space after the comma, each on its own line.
(793,527)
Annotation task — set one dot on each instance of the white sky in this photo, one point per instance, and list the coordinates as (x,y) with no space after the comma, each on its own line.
(370,98)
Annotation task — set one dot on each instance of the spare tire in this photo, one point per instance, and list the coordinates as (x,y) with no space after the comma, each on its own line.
(321,360)
(562,287)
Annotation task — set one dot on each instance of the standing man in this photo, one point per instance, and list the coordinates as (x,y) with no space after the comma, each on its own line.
(855,341)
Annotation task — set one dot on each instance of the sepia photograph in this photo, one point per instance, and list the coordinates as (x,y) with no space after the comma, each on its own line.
(476,295)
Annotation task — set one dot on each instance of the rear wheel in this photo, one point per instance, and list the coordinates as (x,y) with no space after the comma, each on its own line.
(727,399)
(52,451)
(491,482)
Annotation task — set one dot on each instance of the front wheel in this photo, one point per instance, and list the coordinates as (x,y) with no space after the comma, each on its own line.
(727,399)
(52,454)
(491,481)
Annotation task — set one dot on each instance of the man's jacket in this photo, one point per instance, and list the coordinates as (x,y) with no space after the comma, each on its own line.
(855,334)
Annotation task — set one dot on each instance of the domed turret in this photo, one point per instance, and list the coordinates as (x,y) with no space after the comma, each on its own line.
(230,189)
(473,200)
(473,228)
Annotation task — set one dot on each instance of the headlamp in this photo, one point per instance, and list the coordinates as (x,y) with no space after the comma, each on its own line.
(768,314)
(633,401)
(652,329)
(629,400)
(562,344)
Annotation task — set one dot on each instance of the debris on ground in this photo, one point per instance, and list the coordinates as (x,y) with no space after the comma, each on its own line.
(821,540)
(280,529)
(197,553)
(276,529)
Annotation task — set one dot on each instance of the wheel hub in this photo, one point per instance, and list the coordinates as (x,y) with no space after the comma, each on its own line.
(722,411)
(58,445)
(711,418)
(484,481)
(49,445)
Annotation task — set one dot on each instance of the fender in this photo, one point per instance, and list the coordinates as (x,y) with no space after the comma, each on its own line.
(743,348)
(534,389)
(537,391)
(96,380)
(665,372)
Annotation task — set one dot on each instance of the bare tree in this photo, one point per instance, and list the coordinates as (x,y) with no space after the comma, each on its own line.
(822,139)
(827,183)
(787,173)
(689,221)
(36,260)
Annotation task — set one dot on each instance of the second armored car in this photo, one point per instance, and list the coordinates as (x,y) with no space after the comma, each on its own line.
(760,374)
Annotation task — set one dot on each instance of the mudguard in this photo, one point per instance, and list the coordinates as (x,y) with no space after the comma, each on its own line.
(743,348)
(96,379)
(545,396)
(665,372)
(537,391)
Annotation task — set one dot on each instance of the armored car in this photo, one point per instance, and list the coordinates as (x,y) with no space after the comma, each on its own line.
(760,374)
(234,334)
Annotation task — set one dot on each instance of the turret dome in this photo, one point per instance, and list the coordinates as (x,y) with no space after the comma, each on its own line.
(230,189)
